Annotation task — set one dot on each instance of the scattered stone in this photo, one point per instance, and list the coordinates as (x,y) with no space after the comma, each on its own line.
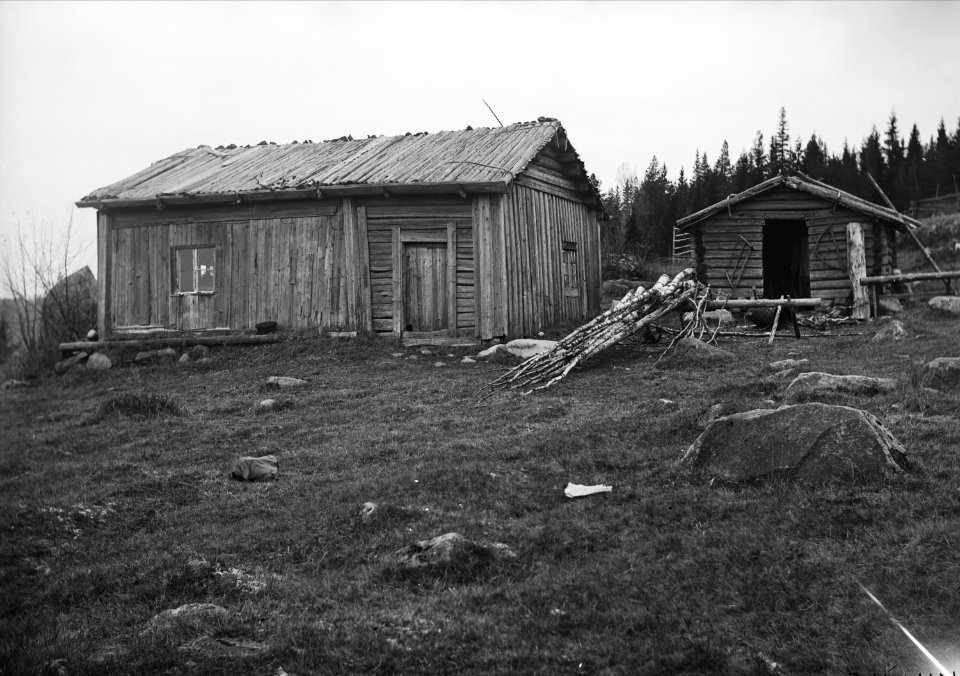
(13,383)
(264,468)
(285,381)
(198,352)
(192,617)
(785,365)
(890,306)
(712,317)
(816,382)
(947,304)
(425,351)
(154,356)
(893,331)
(98,361)
(468,360)
(526,348)
(815,443)
(367,510)
(443,550)
(267,404)
(668,402)
(64,365)
(397,355)
(690,347)
(491,351)
(943,373)
(184,358)
(438,363)
(93,336)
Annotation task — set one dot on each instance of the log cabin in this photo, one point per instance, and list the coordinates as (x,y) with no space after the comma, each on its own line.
(789,236)
(473,234)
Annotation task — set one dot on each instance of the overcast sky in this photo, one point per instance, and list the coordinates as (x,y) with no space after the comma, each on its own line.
(93,92)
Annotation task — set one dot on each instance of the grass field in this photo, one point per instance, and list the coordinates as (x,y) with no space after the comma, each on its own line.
(115,506)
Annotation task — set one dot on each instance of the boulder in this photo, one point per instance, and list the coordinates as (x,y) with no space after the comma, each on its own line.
(893,331)
(890,306)
(721,317)
(526,348)
(812,443)
(285,381)
(816,382)
(947,304)
(449,549)
(267,405)
(491,351)
(99,362)
(264,468)
(188,618)
(155,356)
(64,365)
(690,347)
(943,373)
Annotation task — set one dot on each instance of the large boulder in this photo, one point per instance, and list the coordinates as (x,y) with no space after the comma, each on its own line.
(812,443)
(98,361)
(526,348)
(947,304)
(943,373)
(70,308)
(817,382)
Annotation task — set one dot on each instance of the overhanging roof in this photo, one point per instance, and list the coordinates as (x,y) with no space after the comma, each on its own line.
(805,184)
(465,161)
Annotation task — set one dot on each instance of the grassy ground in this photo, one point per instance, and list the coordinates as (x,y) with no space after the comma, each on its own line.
(113,511)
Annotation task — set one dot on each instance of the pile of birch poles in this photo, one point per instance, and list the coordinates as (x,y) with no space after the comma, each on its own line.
(636,310)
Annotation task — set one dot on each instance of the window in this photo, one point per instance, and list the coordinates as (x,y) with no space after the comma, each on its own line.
(571,273)
(195,269)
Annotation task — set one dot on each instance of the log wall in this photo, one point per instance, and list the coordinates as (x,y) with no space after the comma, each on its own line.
(719,243)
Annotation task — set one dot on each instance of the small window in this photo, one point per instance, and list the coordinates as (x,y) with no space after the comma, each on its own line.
(571,272)
(195,269)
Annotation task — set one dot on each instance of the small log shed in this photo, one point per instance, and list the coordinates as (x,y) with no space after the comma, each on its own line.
(446,237)
(793,236)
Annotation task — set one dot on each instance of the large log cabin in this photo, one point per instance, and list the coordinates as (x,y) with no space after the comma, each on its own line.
(471,234)
(787,236)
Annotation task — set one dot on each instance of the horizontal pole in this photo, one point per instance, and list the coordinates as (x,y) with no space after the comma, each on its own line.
(910,277)
(743,303)
(156,343)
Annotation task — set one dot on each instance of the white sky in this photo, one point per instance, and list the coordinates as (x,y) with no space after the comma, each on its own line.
(93,92)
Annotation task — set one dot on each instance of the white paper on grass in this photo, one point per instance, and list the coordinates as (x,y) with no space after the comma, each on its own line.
(579,490)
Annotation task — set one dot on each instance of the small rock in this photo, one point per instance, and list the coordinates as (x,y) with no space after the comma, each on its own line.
(264,468)
(267,404)
(668,402)
(785,364)
(443,549)
(397,355)
(943,373)
(438,363)
(367,510)
(526,348)
(93,336)
(425,351)
(285,381)
(690,347)
(893,331)
(198,617)
(184,358)
(947,304)
(64,365)
(816,382)
(468,360)
(491,351)
(890,306)
(712,317)
(99,362)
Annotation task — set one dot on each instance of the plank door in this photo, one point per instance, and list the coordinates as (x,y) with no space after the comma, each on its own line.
(426,307)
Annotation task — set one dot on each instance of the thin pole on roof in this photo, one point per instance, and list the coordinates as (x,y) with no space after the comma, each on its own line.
(491,111)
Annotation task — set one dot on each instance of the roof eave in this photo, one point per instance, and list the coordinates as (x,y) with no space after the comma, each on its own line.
(319,192)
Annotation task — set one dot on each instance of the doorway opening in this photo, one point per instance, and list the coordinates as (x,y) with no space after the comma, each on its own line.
(786,259)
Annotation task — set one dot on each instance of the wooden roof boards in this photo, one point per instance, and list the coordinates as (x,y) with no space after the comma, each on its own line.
(470,160)
(805,184)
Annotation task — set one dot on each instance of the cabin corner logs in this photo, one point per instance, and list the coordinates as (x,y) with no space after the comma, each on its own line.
(782,243)
(486,266)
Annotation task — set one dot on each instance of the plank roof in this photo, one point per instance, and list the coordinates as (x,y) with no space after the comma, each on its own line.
(490,157)
(805,184)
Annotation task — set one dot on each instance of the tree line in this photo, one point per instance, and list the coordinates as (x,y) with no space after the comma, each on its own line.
(644,210)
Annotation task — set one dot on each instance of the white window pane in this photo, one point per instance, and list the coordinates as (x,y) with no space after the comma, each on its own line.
(205,268)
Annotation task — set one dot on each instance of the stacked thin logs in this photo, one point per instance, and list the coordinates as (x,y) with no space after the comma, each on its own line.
(632,313)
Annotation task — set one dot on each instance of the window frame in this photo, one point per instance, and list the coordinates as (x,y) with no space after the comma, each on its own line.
(570,259)
(175,269)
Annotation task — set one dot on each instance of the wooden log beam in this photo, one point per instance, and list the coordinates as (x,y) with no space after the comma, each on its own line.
(747,303)
(857,269)
(910,277)
(181,341)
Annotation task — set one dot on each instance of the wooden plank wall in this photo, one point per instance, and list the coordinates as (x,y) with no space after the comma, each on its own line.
(718,243)
(535,224)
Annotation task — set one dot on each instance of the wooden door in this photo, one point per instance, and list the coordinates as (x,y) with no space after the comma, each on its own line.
(425,287)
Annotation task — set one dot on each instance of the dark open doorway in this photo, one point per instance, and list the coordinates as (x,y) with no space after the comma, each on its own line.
(786,259)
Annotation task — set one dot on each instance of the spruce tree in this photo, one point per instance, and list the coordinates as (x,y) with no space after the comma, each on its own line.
(759,159)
